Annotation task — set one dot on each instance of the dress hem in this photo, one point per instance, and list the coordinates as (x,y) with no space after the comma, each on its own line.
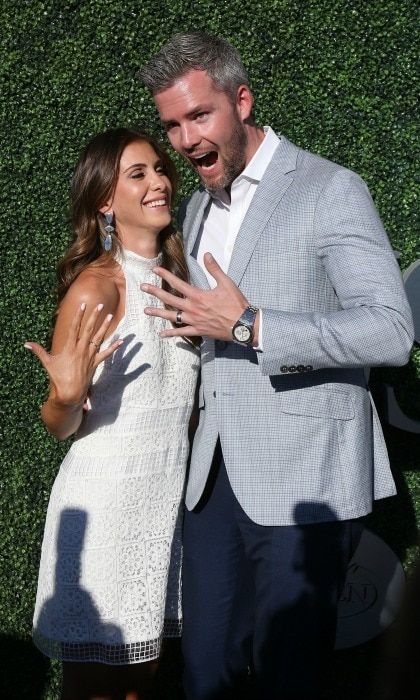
(109,654)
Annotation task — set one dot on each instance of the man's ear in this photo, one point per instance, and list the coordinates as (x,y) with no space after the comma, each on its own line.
(244,102)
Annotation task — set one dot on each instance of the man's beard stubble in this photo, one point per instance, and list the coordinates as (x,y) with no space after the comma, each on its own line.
(234,159)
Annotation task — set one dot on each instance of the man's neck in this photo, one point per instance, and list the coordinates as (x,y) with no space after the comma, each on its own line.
(255,136)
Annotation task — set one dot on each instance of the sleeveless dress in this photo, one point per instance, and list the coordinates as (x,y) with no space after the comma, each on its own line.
(109,578)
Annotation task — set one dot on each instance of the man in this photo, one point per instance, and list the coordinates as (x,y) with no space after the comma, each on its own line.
(295,290)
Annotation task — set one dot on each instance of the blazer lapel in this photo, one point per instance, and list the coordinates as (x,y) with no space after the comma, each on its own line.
(276,180)
(193,224)
(198,277)
(197,274)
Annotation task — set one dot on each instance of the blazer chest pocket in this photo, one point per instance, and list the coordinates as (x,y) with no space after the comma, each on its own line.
(319,404)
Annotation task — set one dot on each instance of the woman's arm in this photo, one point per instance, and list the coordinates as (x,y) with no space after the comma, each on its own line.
(87,315)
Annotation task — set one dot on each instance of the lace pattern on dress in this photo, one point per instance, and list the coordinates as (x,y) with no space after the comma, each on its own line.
(109,585)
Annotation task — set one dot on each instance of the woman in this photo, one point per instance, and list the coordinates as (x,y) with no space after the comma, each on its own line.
(108,586)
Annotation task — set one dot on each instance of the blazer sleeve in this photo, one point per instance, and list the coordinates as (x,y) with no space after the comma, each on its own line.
(373,325)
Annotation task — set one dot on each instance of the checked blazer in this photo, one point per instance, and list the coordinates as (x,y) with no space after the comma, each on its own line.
(296,421)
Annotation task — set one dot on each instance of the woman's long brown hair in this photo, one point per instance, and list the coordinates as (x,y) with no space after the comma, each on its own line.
(93,183)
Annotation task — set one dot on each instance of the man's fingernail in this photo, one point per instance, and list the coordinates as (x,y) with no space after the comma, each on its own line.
(144,287)
(209,257)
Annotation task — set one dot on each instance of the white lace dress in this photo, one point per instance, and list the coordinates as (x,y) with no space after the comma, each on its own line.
(109,579)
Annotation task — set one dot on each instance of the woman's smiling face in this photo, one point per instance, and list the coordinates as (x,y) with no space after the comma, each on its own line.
(142,196)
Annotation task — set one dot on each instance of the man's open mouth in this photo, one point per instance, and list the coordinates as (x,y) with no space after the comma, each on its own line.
(207,160)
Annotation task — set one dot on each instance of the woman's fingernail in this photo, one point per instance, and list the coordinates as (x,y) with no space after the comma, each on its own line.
(27,345)
(83,306)
(99,307)
(108,318)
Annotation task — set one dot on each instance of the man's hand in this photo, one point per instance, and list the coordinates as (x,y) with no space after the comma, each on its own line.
(204,312)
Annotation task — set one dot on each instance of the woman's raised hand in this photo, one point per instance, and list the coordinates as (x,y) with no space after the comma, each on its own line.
(72,369)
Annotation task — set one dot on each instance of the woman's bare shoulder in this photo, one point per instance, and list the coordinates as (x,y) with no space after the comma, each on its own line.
(93,287)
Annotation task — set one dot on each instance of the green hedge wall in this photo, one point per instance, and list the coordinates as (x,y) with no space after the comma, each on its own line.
(335,76)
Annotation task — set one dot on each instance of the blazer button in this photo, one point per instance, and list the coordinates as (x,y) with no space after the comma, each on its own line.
(283,369)
(221,344)
(308,368)
(292,368)
(214,394)
(300,368)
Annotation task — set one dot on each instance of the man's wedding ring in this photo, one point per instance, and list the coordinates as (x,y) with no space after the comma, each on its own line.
(97,346)
(178,318)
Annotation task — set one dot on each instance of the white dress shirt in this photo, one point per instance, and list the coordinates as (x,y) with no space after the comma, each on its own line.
(225,214)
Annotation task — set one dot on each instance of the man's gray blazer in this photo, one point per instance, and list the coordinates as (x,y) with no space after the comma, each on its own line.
(299,433)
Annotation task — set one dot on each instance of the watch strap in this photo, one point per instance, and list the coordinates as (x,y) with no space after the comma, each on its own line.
(248,316)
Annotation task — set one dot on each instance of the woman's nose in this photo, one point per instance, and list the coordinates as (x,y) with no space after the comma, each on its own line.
(157,183)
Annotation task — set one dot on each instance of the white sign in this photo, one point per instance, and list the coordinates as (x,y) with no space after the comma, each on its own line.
(372,593)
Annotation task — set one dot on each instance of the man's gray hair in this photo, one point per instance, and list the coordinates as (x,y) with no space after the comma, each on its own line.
(196,51)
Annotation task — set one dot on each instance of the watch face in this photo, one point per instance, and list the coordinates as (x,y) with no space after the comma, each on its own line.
(242,334)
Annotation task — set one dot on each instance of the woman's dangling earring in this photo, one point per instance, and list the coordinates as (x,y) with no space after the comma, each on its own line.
(107,242)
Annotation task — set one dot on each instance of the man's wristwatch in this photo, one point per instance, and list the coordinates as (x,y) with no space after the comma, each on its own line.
(243,330)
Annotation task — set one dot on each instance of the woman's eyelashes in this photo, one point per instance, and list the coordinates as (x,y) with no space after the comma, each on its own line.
(139,174)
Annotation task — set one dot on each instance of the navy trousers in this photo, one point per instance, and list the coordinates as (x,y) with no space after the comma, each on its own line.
(257,599)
